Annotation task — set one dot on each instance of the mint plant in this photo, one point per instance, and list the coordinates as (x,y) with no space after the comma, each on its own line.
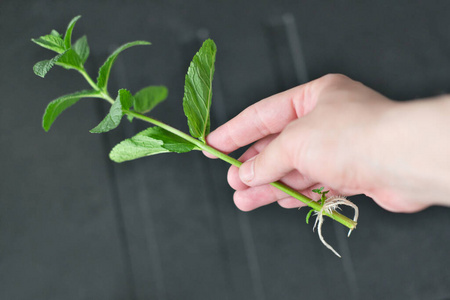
(160,138)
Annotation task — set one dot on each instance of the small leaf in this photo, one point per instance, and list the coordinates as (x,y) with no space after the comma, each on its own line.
(41,68)
(153,140)
(198,90)
(105,69)
(56,33)
(57,106)
(112,119)
(51,42)
(68,35)
(81,47)
(309,215)
(70,60)
(147,98)
(318,191)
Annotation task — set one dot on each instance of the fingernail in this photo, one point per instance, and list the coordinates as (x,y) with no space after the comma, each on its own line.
(247,170)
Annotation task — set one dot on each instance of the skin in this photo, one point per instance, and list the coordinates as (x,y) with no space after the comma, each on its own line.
(337,133)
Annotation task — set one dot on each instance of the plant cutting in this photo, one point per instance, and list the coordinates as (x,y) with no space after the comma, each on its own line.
(161,137)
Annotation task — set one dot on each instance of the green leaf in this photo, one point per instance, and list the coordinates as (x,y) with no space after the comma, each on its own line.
(172,142)
(147,98)
(153,140)
(41,68)
(198,90)
(318,191)
(105,69)
(126,99)
(70,60)
(68,35)
(136,147)
(57,106)
(55,33)
(309,215)
(81,47)
(112,119)
(51,42)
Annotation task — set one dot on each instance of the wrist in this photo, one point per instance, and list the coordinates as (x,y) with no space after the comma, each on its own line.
(411,156)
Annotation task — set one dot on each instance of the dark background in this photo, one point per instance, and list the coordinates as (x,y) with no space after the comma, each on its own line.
(74,225)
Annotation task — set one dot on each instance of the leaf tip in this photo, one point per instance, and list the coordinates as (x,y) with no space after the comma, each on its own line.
(74,20)
(68,35)
(114,157)
(45,125)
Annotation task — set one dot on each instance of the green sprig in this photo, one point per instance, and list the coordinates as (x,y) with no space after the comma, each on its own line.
(161,138)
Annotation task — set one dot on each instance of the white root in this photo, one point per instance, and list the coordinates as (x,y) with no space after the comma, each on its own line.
(332,204)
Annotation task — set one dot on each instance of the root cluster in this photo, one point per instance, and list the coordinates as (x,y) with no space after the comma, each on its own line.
(332,204)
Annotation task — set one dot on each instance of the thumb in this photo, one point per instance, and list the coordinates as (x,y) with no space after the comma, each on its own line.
(271,164)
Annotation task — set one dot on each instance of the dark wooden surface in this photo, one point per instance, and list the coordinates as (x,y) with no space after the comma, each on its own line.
(74,225)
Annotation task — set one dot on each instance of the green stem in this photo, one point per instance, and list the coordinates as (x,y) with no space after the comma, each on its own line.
(202,146)
(88,78)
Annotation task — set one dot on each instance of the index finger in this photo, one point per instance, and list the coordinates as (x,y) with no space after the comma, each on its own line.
(266,117)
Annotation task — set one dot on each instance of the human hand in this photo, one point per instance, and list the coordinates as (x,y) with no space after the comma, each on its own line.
(331,132)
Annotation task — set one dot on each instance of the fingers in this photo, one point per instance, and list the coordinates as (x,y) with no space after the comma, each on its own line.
(294,179)
(290,202)
(233,173)
(276,160)
(248,198)
(287,143)
(254,197)
(266,117)
(271,115)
